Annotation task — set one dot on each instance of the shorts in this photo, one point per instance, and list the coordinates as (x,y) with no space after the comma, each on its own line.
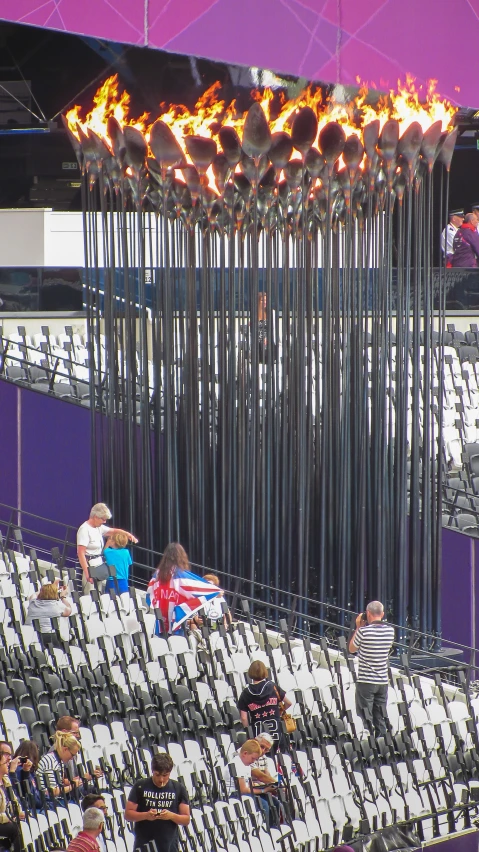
(122,585)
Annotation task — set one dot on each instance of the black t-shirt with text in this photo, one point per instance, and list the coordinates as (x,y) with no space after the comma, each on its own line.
(260,701)
(149,797)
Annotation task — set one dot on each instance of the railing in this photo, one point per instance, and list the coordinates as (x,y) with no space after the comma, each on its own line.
(263,605)
(52,373)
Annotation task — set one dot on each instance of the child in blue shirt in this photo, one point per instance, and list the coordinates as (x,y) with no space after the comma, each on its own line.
(117,555)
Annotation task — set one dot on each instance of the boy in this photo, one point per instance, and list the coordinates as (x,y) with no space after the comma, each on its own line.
(118,556)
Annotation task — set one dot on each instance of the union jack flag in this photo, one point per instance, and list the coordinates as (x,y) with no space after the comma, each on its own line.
(181,598)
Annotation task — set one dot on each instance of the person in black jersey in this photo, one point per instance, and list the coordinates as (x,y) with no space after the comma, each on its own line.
(259,703)
(157,806)
(372,641)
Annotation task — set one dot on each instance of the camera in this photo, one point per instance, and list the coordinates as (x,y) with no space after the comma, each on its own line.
(23,759)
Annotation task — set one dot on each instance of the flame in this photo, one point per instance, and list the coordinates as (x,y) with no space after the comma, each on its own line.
(408,104)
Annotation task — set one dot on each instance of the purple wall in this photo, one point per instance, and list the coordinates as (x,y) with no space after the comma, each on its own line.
(457,580)
(460,588)
(459,843)
(331,40)
(54,460)
(8,444)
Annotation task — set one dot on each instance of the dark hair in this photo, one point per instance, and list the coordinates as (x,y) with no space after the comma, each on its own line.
(257,670)
(65,723)
(29,749)
(174,556)
(89,800)
(4,743)
(161,763)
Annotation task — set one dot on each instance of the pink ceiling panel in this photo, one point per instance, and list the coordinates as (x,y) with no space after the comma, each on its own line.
(115,20)
(377,40)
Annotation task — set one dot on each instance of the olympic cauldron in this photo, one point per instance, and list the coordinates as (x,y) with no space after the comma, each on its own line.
(297,445)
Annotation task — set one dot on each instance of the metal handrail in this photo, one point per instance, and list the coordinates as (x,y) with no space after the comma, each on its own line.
(302,615)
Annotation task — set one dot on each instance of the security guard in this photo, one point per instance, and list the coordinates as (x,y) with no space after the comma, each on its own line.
(456,218)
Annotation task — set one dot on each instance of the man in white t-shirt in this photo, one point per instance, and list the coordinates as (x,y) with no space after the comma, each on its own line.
(90,541)
(237,774)
(239,767)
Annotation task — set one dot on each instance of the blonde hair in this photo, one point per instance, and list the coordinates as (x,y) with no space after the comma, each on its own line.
(48,592)
(64,739)
(120,539)
(212,578)
(251,747)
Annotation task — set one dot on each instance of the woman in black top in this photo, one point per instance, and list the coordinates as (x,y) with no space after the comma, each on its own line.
(259,704)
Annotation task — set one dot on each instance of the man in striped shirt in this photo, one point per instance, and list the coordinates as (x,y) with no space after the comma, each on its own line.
(87,840)
(372,640)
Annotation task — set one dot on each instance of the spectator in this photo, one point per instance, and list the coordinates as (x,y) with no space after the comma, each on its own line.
(466,244)
(90,537)
(260,771)
(23,775)
(264,782)
(10,835)
(87,839)
(373,640)
(242,761)
(157,806)
(117,555)
(70,725)
(259,703)
(160,591)
(52,766)
(94,800)
(175,592)
(50,602)
(213,610)
(237,775)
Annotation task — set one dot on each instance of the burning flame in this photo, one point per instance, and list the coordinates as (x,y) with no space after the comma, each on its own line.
(408,104)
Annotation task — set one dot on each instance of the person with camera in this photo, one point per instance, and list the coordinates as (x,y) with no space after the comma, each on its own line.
(372,640)
(22,773)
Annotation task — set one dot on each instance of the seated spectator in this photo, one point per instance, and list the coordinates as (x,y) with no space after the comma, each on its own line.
(117,555)
(94,800)
(259,703)
(87,839)
(90,543)
(50,602)
(237,773)
(264,782)
(260,771)
(70,725)
(51,772)
(10,835)
(23,774)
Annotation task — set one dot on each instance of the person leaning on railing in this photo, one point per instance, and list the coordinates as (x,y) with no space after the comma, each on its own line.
(90,541)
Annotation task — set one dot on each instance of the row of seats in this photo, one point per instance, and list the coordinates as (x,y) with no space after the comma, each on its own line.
(136,693)
(58,364)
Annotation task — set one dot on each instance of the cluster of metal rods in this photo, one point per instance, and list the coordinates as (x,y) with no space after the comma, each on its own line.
(286,443)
